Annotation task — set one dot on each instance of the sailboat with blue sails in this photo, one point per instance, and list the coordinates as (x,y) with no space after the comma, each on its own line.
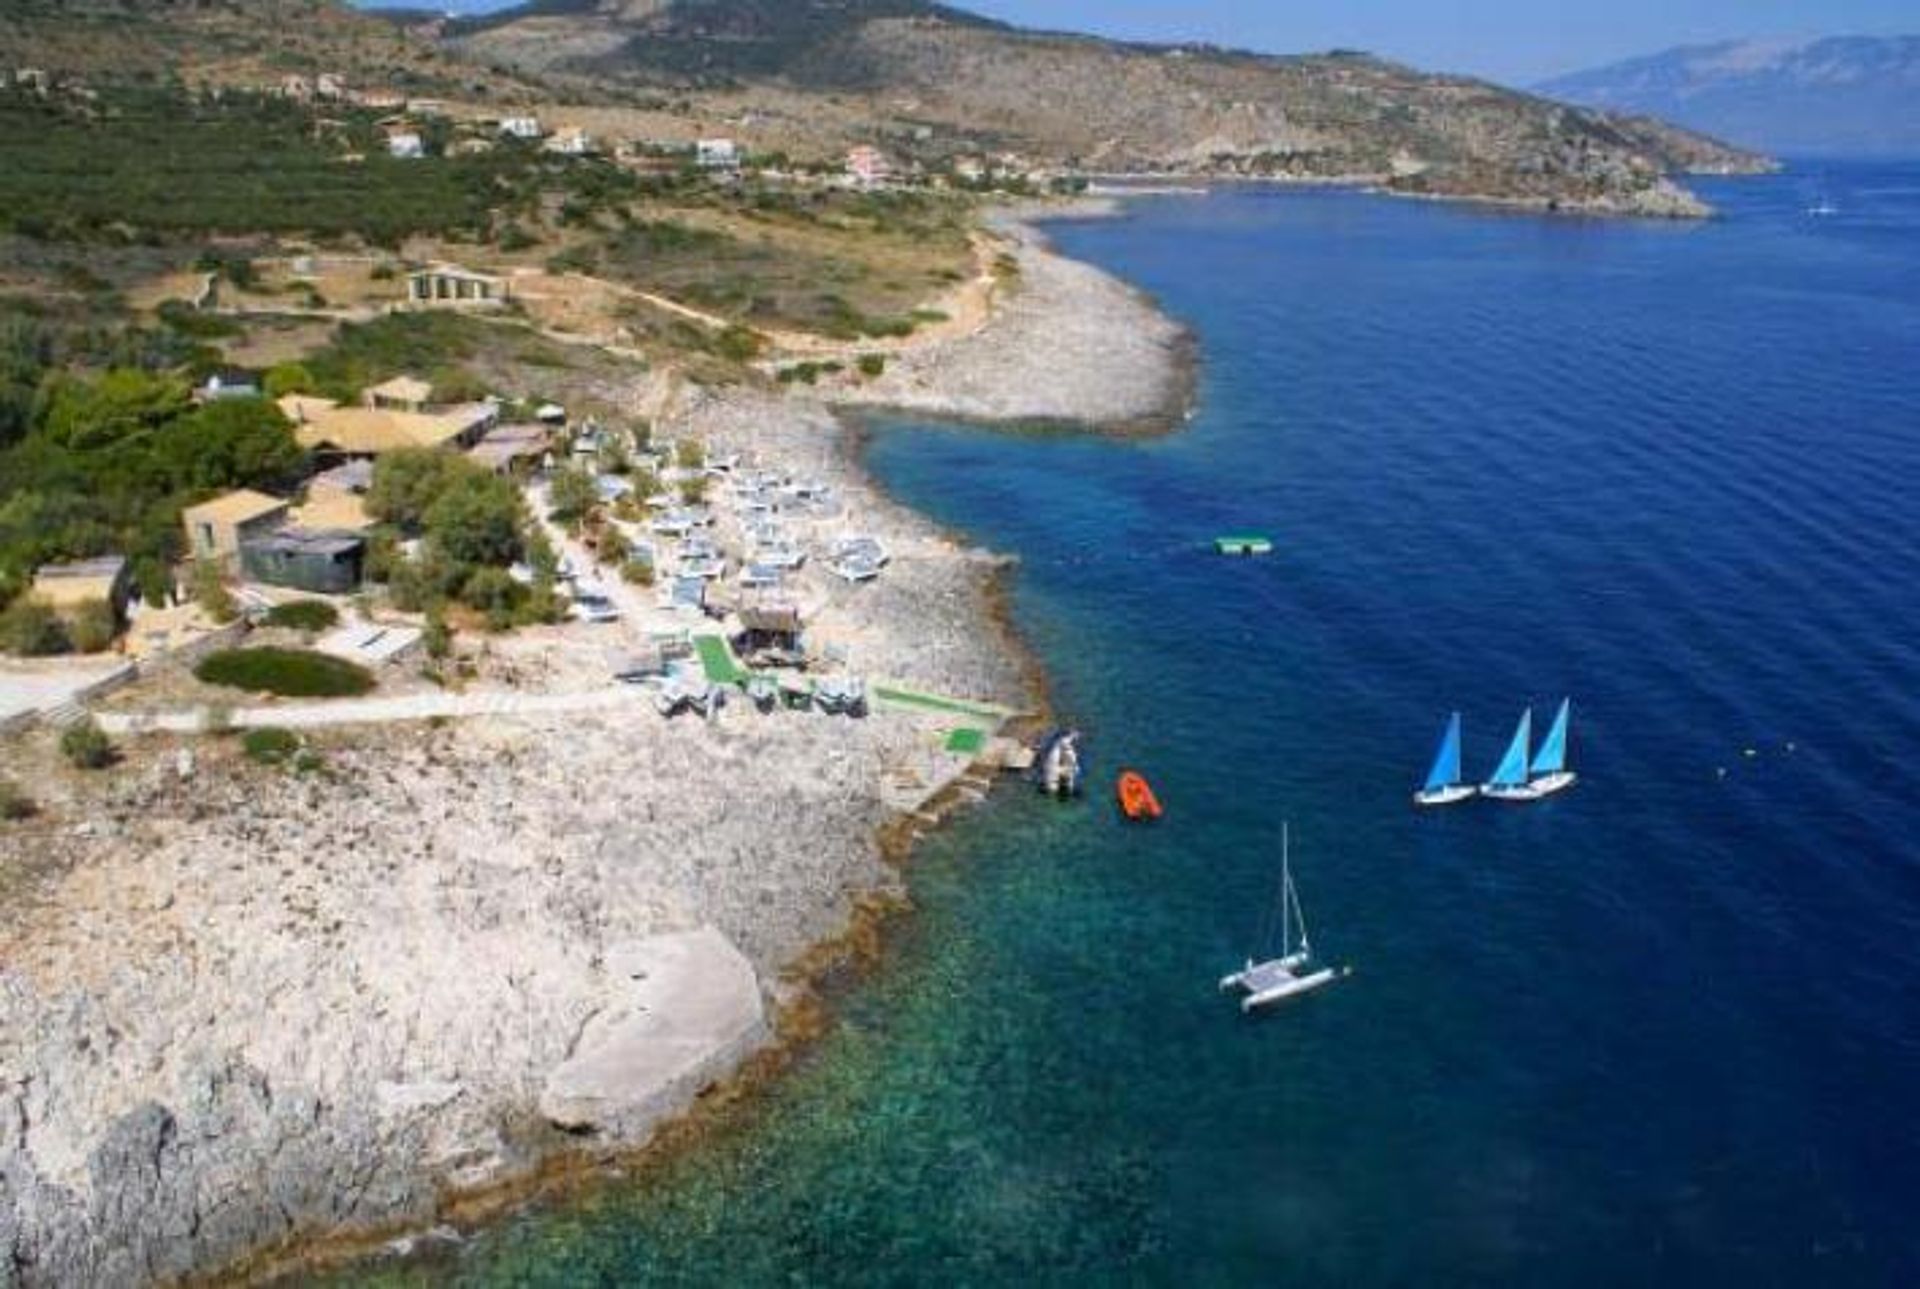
(1509,779)
(1444,786)
(1549,773)
(1525,776)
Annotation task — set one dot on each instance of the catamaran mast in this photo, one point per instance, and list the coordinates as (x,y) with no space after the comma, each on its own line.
(1286,883)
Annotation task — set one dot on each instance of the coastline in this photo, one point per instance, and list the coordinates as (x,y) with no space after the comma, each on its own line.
(255,1141)
(1067,345)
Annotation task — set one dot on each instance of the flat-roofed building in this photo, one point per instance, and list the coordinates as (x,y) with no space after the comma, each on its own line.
(71,590)
(325,563)
(448,286)
(215,529)
(401,394)
(344,433)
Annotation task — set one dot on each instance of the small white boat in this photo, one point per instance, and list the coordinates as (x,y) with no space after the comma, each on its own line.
(1057,768)
(1294,972)
(1444,786)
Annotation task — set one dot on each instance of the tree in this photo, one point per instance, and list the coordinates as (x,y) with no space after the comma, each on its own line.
(614,547)
(122,405)
(233,443)
(572,495)
(289,378)
(491,591)
(479,522)
(407,484)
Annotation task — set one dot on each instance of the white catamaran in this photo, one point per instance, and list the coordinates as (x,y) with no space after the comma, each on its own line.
(1518,779)
(1294,971)
(1444,785)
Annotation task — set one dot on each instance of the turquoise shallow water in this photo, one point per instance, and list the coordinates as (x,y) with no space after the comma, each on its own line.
(1663,1029)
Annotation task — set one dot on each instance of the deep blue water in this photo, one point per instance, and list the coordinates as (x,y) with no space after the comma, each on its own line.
(1664,1029)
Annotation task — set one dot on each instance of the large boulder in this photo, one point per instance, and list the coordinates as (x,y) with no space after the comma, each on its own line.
(680,1011)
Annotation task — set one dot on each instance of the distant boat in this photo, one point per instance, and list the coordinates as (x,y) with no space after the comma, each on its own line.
(1294,971)
(1549,773)
(1137,800)
(1518,778)
(1509,781)
(1444,785)
(1243,544)
(1823,209)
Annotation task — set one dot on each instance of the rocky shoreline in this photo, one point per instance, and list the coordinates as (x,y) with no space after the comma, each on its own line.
(248,1017)
(1067,344)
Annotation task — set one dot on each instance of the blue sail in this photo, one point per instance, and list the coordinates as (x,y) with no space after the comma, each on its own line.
(1512,771)
(1553,752)
(1446,764)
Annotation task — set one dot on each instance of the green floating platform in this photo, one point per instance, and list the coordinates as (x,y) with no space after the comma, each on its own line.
(1244,544)
(967,742)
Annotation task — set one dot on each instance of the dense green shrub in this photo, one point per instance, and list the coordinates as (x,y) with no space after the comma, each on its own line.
(15,804)
(289,673)
(437,636)
(32,629)
(572,496)
(739,344)
(289,378)
(93,626)
(86,746)
(873,366)
(304,615)
(270,745)
(209,587)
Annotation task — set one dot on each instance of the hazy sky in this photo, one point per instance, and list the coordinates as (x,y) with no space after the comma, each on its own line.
(1513,40)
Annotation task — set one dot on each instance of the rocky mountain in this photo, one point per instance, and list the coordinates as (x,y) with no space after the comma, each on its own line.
(1848,94)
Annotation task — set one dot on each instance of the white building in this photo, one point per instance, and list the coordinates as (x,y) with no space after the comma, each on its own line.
(717,154)
(868,167)
(406,145)
(521,127)
(571,143)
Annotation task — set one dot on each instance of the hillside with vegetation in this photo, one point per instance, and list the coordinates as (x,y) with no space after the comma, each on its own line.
(930,80)
(926,80)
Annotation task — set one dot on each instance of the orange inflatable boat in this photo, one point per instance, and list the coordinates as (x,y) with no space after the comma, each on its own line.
(1137,801)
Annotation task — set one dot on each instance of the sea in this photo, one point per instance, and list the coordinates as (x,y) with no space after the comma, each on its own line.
(1662,1029)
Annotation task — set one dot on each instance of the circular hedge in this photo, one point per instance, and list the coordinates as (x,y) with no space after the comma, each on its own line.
(289,673)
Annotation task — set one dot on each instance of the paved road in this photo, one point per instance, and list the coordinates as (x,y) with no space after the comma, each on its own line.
(376,711)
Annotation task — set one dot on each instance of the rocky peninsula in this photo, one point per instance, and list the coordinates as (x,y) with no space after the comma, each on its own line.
(243,1012)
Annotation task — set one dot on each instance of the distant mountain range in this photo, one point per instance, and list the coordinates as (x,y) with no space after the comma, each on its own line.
(1844,94)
